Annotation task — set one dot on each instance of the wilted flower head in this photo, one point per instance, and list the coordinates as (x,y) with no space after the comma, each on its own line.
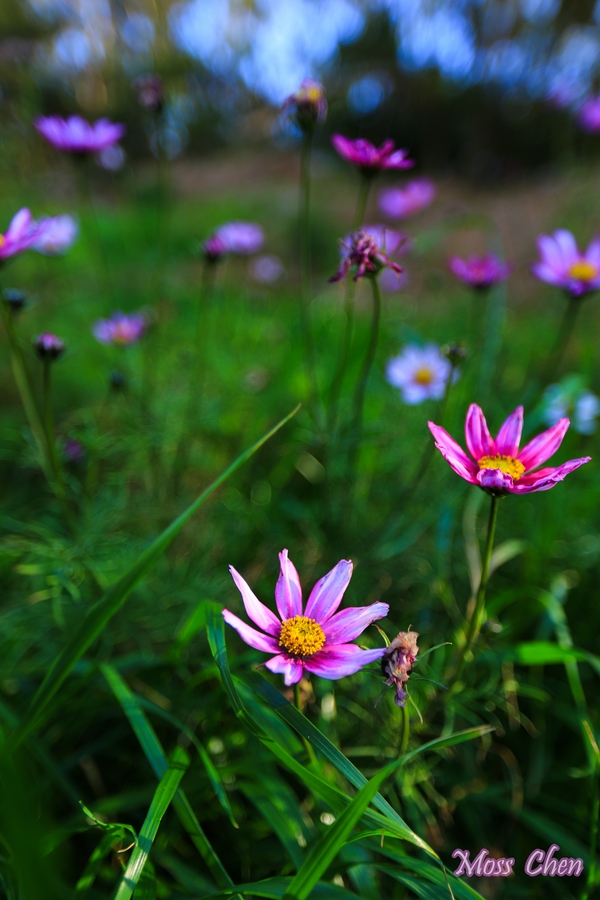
(239,238)
(398,203)
(369,158)
(149,92)
(16,300)
(480,271)
(421,373)
(56,235)
(120,329)
(308,105)
(397,663)
(312,639)
(365,250)
(588,115)
(20,235)
(570,397)
(498,466)
(562,264)
(48,346)
(75,135)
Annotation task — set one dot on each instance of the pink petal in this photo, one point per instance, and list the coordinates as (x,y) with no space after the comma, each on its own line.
(260,614)
(592,254)
(494,480)
(567,246)
(349,623)
(546,273)
(287,666)
(250,636)
(479,440)
(454,455)
(327,593)
(340,660)
(544,445)
(545,479)
(509,436)
(550,254)
(288,593)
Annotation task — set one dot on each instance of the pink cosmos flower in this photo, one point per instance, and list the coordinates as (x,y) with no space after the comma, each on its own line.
(308,105)
(75,135)
(239,238)
(480,271)
(20,235)
(499,466)
(398,203)
(56,235)
(311,639)
(588,115)
(367,251)
(562,264)
(120,329)
(369,158)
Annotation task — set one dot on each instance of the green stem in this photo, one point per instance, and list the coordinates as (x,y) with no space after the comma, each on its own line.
(405,730)
(430,451)
(298,705)
(361,385)
(479,611)
(563,338)
(361,203)
(86,202)
(591,879)
(305,274)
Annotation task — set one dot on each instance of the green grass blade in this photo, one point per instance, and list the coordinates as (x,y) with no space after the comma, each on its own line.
(155,755)
(147,887)
(94,865)
(275,888)
(101,613)
(165,793)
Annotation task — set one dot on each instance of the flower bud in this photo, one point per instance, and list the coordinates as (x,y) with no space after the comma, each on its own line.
(49,346)
(15,300)
(117,381)
(455,353)
(149,92)
(308,105)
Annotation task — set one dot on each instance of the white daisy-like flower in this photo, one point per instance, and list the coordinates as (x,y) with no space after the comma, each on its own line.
(421,373)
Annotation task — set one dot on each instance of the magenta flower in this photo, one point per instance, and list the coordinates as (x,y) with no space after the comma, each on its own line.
(398,203)
(120,329)
(239,238)
(20,235)
(367,251)
(588,115)
(56,235)
(480,272)
(499,467)
(369,158)
(75,135)
(308,105)
(48,346)
(313,639)
(562,264)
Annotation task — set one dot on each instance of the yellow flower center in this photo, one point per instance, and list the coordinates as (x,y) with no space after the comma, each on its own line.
(312,94)
(583,270)
(423,376)
(2,239)
(301,636)
(507,464)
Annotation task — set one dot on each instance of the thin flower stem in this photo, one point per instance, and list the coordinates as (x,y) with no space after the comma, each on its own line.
(563,338)
(430,451)
(86,202)
(405,730)
(298,705)
(361,203)
(479,611)
(361,385)
(306,274)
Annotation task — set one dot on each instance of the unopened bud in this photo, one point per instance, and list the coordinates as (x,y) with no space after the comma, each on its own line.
(149,92)
(117,381)
(49,346)
(455,353)
(15,299)
(308,105)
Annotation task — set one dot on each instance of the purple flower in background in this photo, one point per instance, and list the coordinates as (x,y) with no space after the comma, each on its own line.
(56,235)
(75,135)
(369,158)
(48,346)
(498,465)
(73,450)
(588,115)
(398,203)
(365,250)
(120,329)
(421,373)
(480,272)
(149,92)
(308,105)
(315,639)
(239,238)
(562,264)
(267,269)
(20,235)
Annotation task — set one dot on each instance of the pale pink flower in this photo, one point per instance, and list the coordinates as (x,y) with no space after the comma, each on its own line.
(398,203)
(480,271)
(76,135)
(20,235)
(421,373)
(561,263)
(238,238)
(368,157)
(120,329)
(588,115)
(56,235)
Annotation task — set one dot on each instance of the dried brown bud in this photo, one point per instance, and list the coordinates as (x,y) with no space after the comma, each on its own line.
(397,663)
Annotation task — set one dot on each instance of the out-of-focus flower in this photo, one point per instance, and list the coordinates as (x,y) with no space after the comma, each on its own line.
(369,158)
(499,467)
(561,263)
(48,346)
(365,250)
(149,92)
(570,397)
(120,329)
(239,238)
(111,158)
(16,300)
(311,639)
(307,106)
(73,450)
(266,269)
(20,235)
(391,282)
(456,353)
(117,381)
(480,272)
(398,203)
(76,135)
(588,115)
(397,663)
(421,373)
(56,235)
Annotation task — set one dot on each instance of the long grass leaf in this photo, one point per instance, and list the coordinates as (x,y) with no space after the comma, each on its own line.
(275,888)
(101,613)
